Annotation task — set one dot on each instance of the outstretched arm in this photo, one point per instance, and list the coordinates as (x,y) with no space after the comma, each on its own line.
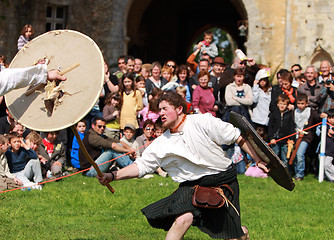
(248,148)
(130,171)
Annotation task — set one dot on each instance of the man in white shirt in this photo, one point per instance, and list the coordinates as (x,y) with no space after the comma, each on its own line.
(190,152)
(13,78)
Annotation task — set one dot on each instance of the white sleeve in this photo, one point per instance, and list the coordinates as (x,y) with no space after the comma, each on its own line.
(14,78)
(147,163)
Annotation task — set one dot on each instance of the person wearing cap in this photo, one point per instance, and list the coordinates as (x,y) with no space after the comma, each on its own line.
(129,132)
(218,67)
(262,97)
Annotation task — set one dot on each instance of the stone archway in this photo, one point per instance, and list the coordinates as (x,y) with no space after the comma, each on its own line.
(157,30)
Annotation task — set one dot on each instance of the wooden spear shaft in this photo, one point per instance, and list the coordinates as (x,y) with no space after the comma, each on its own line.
(84,150)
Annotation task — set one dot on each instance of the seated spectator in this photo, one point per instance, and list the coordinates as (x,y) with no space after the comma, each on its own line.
(52,153)
(312,88)
(102,149)
(81,128)
(137,67)
(17,127)
(145,140)
(129,132)
(26,35)
(111,114)
(281,124)
(171,64)
(203,99)
(159,129)
(7,179)
(23,162)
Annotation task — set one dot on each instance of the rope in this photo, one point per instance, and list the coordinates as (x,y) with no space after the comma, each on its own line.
(296,132)
(72,174)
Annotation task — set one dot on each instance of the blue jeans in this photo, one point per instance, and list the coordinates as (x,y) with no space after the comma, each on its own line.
(105,157)
(281,150)
(300,160)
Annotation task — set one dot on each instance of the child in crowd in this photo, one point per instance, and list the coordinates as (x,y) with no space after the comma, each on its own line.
(81,128)
(207,46)
(159,129)
(131,101)
(152,110)
(140,84)
(301,115)
(181,90)
(23,162)
(53,151)
(281,124)
(7,179)
(128,136)
(111,115)
(26,34)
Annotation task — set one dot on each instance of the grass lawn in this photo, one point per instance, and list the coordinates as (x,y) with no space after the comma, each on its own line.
(80,208)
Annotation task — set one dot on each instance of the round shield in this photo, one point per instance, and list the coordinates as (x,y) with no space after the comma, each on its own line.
(58,106)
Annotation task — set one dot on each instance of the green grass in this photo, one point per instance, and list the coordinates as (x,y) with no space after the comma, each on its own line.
(80,208)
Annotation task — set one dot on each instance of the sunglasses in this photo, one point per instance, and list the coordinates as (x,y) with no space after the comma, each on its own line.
(148,128)
(243,63)
(172,66)
(101,126)
(295,70)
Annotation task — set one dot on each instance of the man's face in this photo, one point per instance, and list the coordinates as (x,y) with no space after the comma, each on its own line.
(217,68)
(310,74)
(137,66)
(121,64)
(169,115)
(52,136)
(149,131)
(130,65)
(203,65)
(296,71)
(99,127)
(302,105)
(325,68)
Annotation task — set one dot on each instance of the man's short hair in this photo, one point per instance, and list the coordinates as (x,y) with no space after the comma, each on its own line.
(95,119)
(175,100)
(302,97)
(204,60)
(287,76)
(281,71)
(297,65)
(127,58)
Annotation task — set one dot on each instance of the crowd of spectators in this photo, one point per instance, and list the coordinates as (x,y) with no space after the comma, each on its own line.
(126,117)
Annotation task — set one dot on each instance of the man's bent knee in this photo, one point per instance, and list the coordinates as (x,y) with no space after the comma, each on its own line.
(185,220)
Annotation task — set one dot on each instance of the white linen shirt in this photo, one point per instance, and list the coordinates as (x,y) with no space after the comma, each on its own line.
(193,153)
(14,78)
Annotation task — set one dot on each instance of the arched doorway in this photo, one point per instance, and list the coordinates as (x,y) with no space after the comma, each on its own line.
(160,30)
